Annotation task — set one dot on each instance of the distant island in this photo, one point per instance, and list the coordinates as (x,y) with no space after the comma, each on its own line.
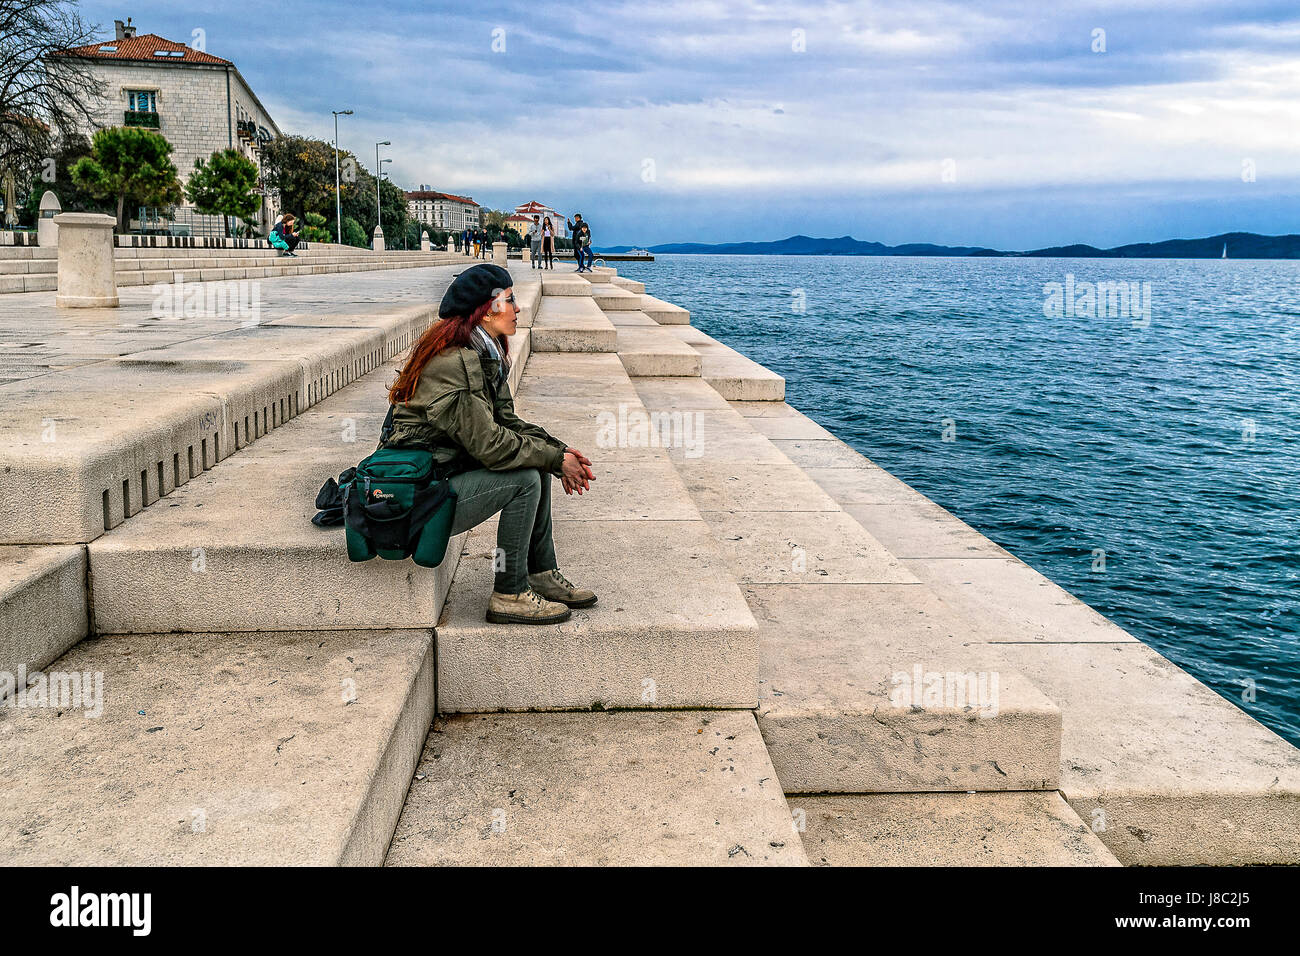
(1237,245)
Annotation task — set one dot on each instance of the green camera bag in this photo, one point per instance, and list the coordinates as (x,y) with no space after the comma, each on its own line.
(397,506)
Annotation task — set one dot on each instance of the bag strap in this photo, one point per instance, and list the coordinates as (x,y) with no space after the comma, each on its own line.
(386,430)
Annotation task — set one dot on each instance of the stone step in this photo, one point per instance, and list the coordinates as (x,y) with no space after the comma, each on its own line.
(42,605)
(866,680)
(1165,771)
(13,267)
(136,271)
(87,447)
(31,282)
(634,538)
(665,313)
(564,284)
(599,274)
(235,549)
(946,829)
(245,749)
(663,789)
(631,285)
(649,350)
(571,323)
(734,376)
(613,299)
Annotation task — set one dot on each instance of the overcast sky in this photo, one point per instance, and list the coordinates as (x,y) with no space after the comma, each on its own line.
(990,123)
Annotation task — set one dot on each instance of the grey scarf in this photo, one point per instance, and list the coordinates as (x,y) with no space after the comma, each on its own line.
(487,347)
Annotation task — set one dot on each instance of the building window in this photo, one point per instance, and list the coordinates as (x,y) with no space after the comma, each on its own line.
(142,101)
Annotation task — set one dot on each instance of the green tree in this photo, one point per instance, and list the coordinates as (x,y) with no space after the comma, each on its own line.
(315,228)
(353,234)
(58,179)
(225,186)
(513,239)
(127,163)
(302,170)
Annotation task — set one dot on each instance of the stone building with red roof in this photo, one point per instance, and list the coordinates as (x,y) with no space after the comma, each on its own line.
(534,208)
(199,102)
(443,210)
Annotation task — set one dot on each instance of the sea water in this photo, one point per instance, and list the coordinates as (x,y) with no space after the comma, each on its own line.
(1128,427)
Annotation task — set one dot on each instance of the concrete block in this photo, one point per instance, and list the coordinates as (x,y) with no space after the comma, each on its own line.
(946,829)
(565,284)
(613,299)
(787,546)
(634,319)
(633,649)
(1165,770)
(665,313)
(630,285)
(751,487)
(225,749)
(88,446)
(738,378)
(682,789)
(592,377)
(86,278)
(647,351)
(1013,602)
(42,604)
(923,530)
(877,688)
(236,549)
(567,323)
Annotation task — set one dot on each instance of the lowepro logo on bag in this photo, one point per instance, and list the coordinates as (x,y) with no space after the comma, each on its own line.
(379,493)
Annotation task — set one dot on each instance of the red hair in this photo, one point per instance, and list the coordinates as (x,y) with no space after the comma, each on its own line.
(452,332)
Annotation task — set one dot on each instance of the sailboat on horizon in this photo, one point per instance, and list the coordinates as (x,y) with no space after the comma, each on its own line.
(1225,251)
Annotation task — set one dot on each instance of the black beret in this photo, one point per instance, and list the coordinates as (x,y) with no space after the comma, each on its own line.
(472,288)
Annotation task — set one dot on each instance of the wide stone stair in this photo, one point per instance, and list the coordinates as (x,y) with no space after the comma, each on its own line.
(35,268)
(753,687)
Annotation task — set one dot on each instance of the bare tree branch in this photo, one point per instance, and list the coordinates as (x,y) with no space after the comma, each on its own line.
(43,96)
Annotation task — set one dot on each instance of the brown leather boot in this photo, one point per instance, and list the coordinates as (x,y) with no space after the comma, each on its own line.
(527,607)
(554,586)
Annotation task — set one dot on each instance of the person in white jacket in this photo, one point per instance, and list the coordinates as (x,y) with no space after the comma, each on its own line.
(535,242)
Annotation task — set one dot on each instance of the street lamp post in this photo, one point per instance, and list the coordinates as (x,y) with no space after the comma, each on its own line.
(379,174)
(338,194)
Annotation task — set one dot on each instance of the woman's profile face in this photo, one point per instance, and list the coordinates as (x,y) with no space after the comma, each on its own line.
(504,317)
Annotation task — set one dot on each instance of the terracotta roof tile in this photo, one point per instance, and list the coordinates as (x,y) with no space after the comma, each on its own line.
(428,194)
(144,48)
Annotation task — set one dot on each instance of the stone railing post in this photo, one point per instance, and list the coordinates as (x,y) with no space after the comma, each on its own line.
(499,250)
(47,230)
(425,245)
(378,244)
(87,275)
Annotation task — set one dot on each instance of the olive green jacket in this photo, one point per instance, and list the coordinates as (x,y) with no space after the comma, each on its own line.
(467,422)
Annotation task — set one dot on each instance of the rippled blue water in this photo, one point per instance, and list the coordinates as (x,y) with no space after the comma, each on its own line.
(1171,447)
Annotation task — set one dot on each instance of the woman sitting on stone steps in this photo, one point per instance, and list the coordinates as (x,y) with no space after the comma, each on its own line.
(452,397)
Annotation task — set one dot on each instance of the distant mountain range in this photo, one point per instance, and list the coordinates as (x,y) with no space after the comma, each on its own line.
(1239,245)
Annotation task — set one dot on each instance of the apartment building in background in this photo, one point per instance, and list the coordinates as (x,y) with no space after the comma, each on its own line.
(199,102)
(443,210)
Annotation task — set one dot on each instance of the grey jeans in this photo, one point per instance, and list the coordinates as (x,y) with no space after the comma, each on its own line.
(523,497)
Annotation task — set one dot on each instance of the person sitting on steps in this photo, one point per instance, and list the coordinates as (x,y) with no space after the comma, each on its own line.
(453,397)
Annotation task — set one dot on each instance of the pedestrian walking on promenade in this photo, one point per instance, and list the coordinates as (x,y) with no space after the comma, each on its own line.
(548,242)
(581,233)
(535,242)
(453,398)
